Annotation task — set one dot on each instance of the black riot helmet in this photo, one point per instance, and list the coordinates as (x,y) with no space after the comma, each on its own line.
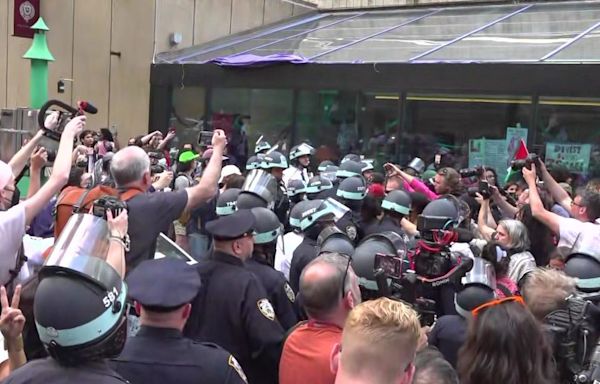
(332,239)
(316,185)
(363,260)
(296,214)
(350,168)
(330,173)
(247,200)
(352,188)
(80,304)
(261,184)
(296,187)
(443,213)
(273,160)
(266,227)
(253,162)
(226,202)
(586,269)
(324,164)
(397,201)
(351,157)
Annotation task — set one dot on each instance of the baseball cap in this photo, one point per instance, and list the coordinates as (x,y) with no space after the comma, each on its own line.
(5,174)
(229,170)
(188,156)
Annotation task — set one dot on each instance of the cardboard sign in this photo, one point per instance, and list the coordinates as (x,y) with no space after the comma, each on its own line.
(575,157)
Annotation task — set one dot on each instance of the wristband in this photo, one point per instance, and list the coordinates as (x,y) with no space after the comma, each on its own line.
(124,241)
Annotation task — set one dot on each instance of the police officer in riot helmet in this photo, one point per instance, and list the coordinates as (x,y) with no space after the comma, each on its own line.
(396,206)
(334,240)
(350,168)
(75,290)
(351,192)
(324,164)
(316,216)
(275,163)
(260,189)
(227,201)
(351,157)
(262,147)
(296,191)
(287,244)
(299,161)
(163,290)
(586,269)
(450,331)
(330,173)
(252,163)
(232,309)
(319,187)
(266,232)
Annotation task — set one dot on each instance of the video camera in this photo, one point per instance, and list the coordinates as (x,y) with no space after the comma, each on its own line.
(106,203)
(483,188)
(65,114)
(575,335)
(471,172)
(532,158)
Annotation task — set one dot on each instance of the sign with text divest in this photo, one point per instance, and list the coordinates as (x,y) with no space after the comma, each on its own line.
(26,13)
(575,157)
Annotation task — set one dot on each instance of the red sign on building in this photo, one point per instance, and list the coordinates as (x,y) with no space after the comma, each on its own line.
(26,14)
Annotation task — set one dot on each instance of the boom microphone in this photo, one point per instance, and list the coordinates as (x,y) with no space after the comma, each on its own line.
(87,107)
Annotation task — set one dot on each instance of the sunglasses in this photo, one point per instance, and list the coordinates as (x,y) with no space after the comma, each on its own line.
(493,303)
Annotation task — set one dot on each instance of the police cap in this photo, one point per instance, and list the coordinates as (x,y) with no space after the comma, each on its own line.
(165,283)
(232,226)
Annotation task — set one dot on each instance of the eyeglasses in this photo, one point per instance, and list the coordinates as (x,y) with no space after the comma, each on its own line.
(345,275)
(576,204)
(493,303)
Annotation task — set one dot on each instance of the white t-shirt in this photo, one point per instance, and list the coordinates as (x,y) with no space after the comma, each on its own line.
(294,173)
(288,243)
(12,230)
(579,237)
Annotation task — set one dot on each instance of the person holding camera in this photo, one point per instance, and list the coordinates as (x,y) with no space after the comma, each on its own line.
(14,216)
(130,169)
(580,234)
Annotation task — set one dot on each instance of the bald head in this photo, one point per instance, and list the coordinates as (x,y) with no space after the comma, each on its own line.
(129,165)
(321,284)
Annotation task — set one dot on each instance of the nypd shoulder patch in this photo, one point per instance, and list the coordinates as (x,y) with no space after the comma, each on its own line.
(233,363)
(289,292)
(265,307)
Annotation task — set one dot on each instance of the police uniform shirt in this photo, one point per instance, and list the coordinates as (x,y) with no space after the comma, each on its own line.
(232,310)
(279,292)
(48,371)
(351,224)
(448,335)
(303,255)
(163,355)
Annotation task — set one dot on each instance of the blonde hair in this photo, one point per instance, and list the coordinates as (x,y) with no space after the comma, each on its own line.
(380,339)
(545,290)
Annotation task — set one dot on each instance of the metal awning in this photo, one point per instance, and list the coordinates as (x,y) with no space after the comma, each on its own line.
(561,32)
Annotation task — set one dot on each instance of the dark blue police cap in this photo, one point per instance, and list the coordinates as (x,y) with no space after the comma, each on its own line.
(233,226)
(163,283)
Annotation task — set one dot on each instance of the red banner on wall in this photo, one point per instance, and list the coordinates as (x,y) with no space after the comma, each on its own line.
(26,14)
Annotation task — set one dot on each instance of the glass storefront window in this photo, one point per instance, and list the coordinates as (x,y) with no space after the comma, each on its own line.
(189,109)
(247,114)
(448,124)
(568,134)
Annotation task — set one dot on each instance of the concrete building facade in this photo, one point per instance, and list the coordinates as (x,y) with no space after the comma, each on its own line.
(106,47)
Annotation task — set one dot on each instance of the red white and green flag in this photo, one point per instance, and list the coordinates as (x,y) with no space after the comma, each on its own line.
(520,154)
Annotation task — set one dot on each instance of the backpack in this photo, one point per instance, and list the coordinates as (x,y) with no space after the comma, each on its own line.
(74,200)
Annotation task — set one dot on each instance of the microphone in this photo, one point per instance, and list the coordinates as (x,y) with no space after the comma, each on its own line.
(87,107)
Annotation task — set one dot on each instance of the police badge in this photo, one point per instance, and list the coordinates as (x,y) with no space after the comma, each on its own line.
(266,309)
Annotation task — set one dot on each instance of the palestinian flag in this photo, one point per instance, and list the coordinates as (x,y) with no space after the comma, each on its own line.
(520,154)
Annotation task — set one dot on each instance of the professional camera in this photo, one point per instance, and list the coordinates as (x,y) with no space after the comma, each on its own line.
(103,204)
(65,114)
(532,158)
(483,189)
(574,332)
(471,172)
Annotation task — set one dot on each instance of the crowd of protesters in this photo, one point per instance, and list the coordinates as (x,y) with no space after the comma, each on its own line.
(274,288)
